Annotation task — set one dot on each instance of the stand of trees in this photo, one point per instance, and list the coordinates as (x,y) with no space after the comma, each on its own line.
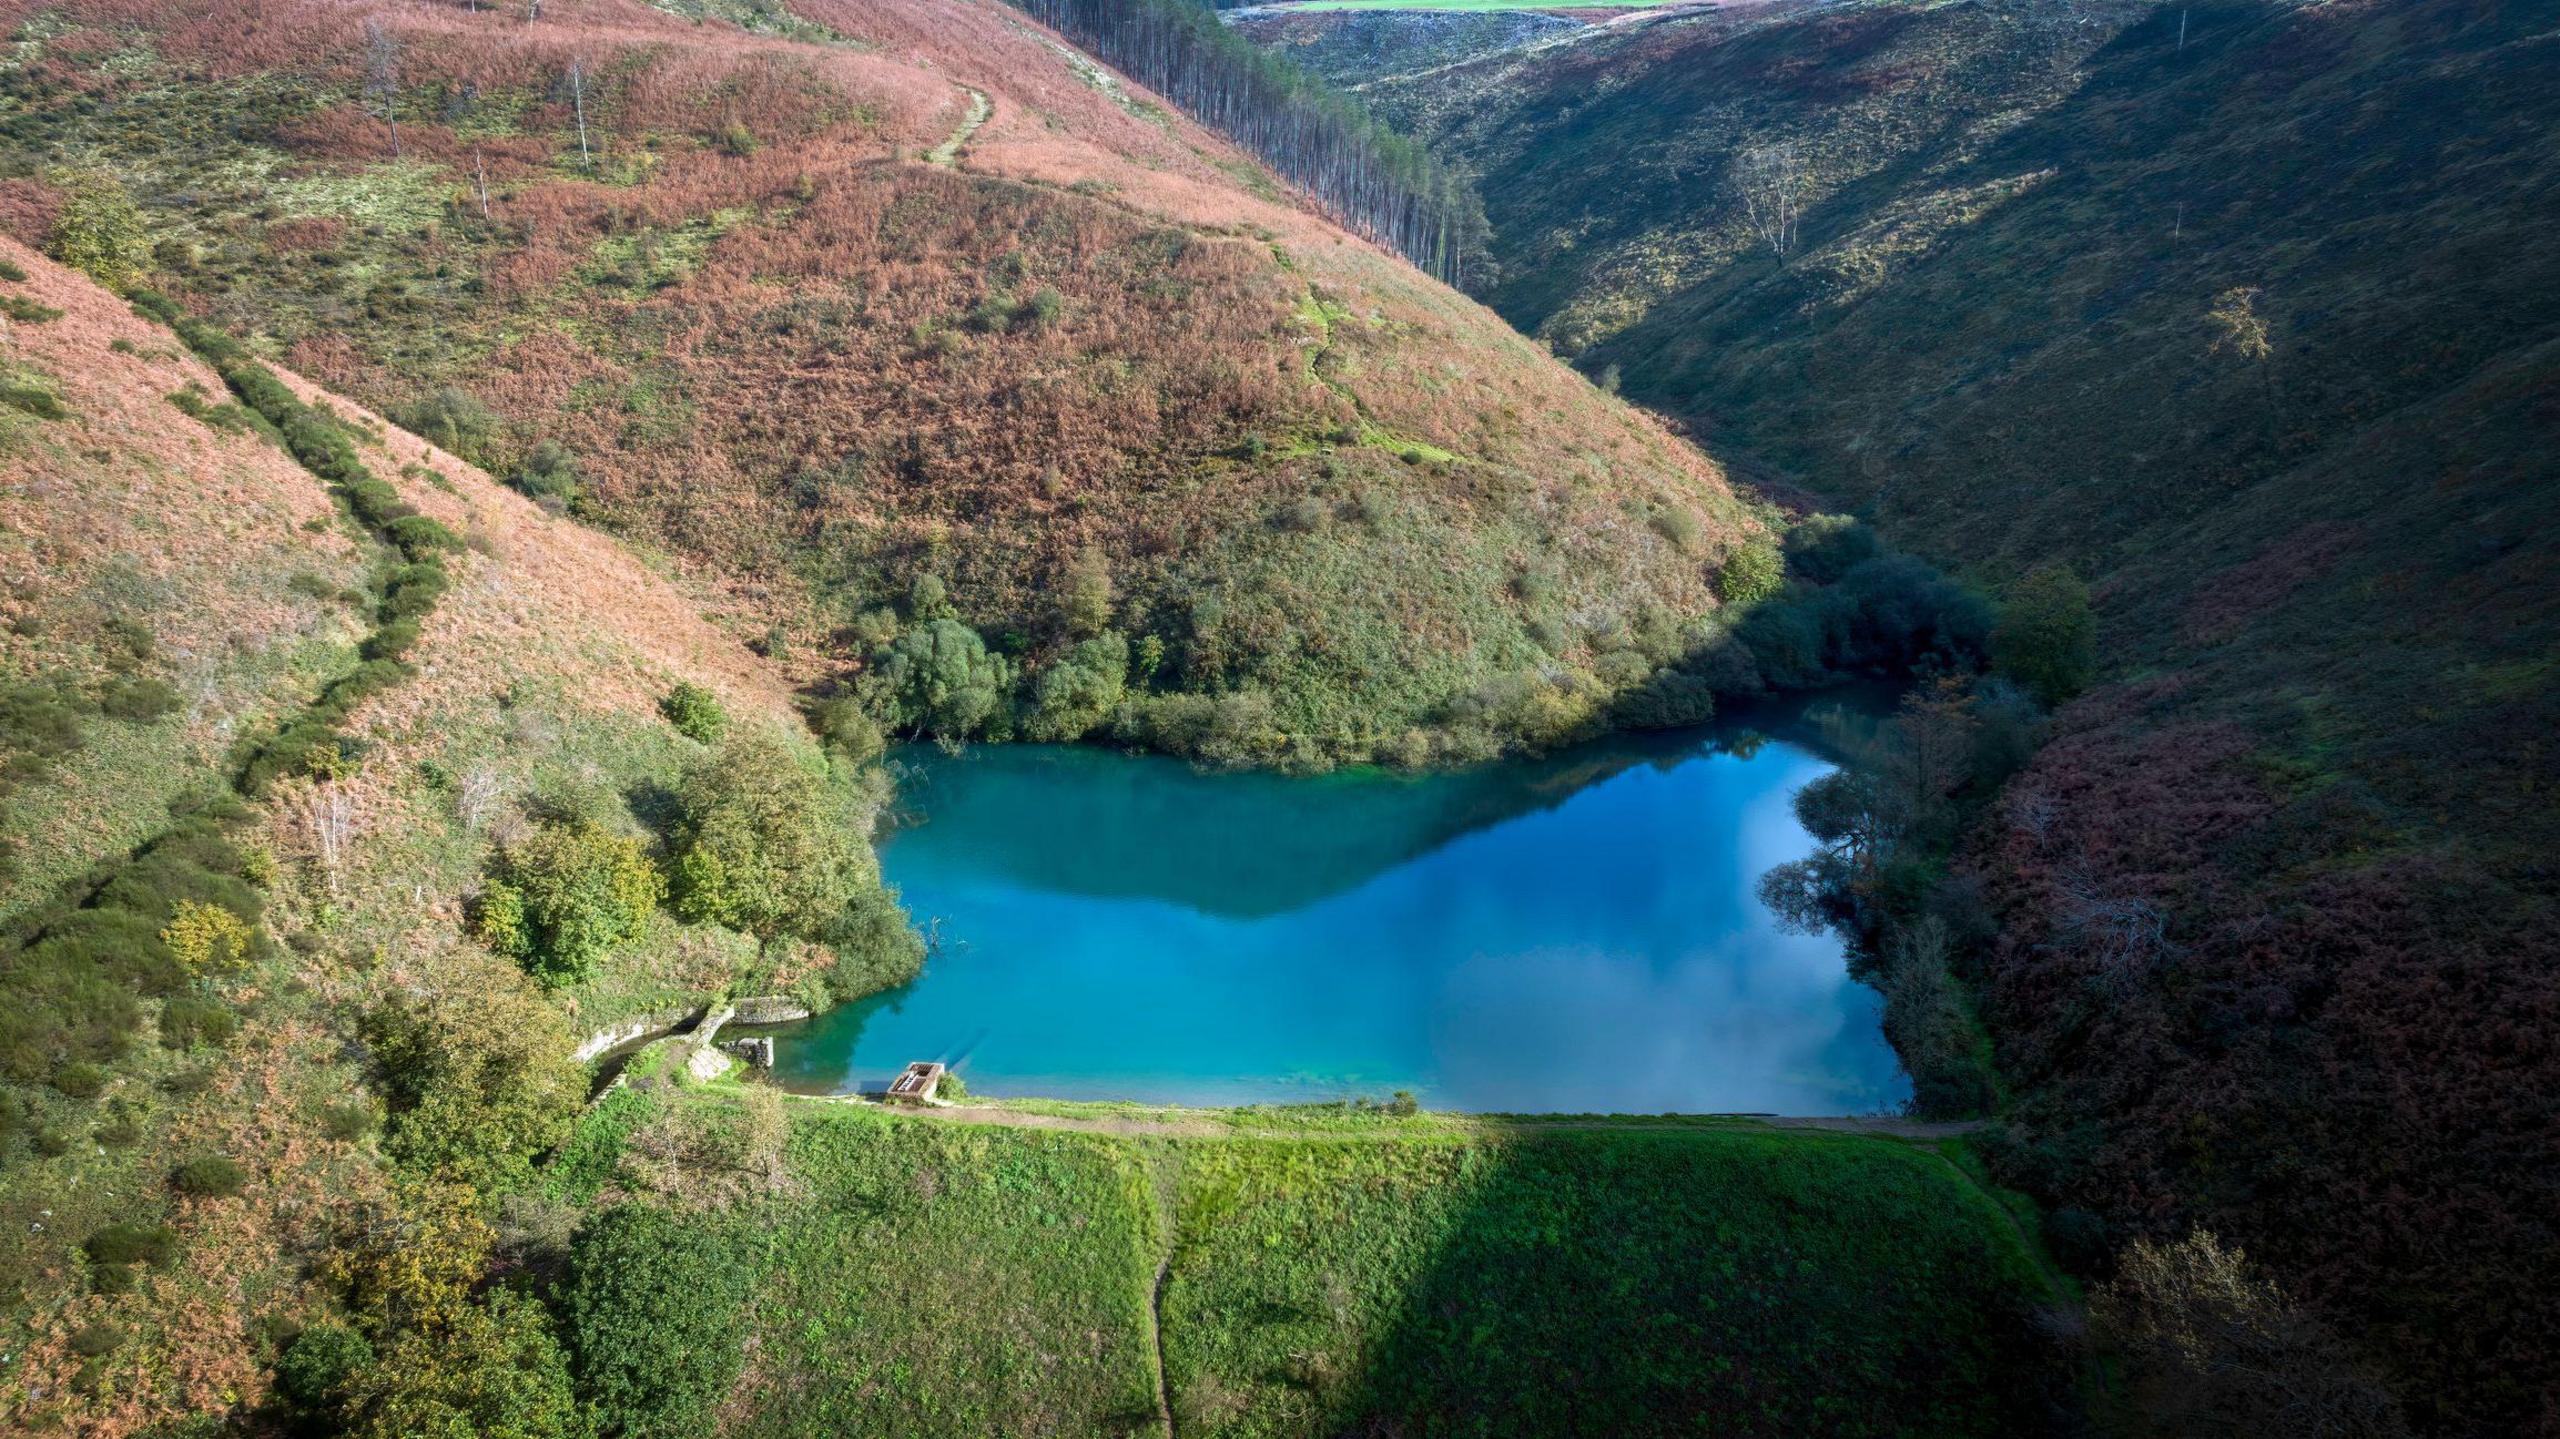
(1367,177)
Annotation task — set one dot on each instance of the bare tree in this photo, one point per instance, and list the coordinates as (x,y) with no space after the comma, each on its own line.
(382,76)
(578,98)
(1771,181)
(476,795)
(2214,1348)
(330,813)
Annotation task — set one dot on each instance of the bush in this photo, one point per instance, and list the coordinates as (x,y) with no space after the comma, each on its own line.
(452,419)
(27,311)
(1080,691)
(98,231)
(316,1371)
(848,730)
(137,699)
(206,939)
(1084,603)
(653,1314)
(116,1251)
(760,844)
(938,679)
(81,1079)
(695,712)
(549,475)
(1749,575)
(2047,640)
(1822,548)
(213,1177)
(495,1371)
(186,1022)
(478,1076)
(93,1341)
(566,895)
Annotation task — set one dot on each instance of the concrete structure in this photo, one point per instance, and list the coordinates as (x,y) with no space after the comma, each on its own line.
(916,1085)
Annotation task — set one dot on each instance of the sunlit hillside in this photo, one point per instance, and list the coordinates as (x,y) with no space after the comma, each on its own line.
(864,295)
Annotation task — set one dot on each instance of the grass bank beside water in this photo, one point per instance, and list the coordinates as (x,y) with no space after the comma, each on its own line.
(1282,1271)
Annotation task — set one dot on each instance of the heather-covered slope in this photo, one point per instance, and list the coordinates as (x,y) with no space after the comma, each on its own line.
(246,1017)
(2248,311)
(772,302)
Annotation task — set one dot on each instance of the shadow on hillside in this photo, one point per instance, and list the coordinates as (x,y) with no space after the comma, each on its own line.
(1617,1283)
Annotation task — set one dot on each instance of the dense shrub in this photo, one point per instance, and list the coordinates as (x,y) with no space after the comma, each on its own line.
(652,1310)
(451,418)
(1749,575)
(478,1077)
(549,475)
(1080,690)
(315,1372)
(186,1022)
(99,231)
(1822,548)
(2047,640)
(762,844)
(495,1372)
(695,712)
(566,894)
(213,1177)
(116,1251)
(137,698)
(938,679)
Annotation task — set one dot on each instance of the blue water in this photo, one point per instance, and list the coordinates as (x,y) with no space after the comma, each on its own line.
(1566,935)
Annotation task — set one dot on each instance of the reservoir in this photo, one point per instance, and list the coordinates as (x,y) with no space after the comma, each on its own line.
(1571,934)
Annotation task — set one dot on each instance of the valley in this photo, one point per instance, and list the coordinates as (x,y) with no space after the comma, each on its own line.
(1827,713)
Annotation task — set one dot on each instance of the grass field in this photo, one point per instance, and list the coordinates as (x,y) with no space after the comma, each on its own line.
(1329,1271)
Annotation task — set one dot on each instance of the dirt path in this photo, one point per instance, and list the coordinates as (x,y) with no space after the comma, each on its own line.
(980,108)
(1175,1123)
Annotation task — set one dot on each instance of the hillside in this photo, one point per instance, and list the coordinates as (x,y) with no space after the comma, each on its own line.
(863,298)
(2246,311)
(190,597)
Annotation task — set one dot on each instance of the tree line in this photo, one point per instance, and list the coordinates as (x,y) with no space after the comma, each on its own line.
(1372,180)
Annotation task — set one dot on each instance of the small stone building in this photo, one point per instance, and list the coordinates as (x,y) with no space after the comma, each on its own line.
(917,1084)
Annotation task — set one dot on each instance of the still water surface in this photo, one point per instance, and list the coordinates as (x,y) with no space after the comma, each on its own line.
(1571,934)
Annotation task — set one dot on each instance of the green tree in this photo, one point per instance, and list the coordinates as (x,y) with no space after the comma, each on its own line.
(761,844)
(652,1314)
(564,896)
(1081,690)
(478,1072)
(938,679)
(98,231)
(2047,639)
(495,1373)
(1084,602)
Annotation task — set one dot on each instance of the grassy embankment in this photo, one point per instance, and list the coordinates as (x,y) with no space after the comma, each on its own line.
(1319,1270)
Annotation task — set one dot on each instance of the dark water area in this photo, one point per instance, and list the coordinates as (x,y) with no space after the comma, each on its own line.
(1575,933)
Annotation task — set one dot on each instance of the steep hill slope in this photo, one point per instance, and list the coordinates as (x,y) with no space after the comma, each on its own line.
(780,303)
(2248,311)
(215,940)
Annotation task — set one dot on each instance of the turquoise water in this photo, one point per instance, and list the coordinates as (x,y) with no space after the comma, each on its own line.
(1571,934)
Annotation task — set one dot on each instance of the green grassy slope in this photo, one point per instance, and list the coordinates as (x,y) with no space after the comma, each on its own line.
(1328,1273)
(2259,332)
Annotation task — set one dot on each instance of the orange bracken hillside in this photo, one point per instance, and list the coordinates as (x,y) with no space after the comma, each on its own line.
(902,289)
